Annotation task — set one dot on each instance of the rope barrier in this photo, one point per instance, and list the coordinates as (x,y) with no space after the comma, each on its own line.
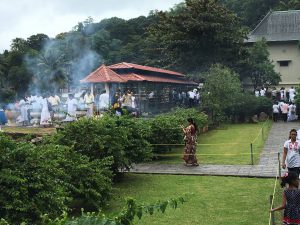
(272,203)
(224,144)
(225,154)
(259,133)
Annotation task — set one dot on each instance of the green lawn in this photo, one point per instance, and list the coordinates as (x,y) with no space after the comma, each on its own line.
(215,200)
(278,202)
(227,145)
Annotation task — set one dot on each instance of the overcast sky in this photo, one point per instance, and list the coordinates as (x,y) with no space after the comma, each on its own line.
(23,18)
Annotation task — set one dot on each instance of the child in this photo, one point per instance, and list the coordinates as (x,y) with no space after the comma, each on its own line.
(290,199)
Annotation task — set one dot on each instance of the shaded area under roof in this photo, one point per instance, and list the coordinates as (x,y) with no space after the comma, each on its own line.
(277,26)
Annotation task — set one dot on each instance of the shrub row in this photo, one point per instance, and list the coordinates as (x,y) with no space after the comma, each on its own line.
(246,105)
(165,128)
(74,168)
(48,179)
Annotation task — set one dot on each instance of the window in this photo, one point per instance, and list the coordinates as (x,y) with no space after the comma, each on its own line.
(284,63)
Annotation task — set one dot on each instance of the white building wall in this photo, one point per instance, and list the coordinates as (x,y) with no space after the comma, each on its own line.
(281,51)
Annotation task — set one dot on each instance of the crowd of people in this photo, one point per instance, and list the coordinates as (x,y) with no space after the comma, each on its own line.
(278,95)
(284,111)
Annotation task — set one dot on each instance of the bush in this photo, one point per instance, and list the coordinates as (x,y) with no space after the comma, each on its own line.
(165,128)
(7,95)
(36,180)
(122,138)
(246,105)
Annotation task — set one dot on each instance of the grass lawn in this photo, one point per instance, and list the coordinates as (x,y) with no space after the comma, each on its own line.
(227,145)
(215,200)
(278,202)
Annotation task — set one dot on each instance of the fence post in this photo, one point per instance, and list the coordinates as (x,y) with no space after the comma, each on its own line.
(251,152)
(272,213)
(279,166)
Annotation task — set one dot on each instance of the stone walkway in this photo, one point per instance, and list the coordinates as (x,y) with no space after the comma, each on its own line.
(266,168)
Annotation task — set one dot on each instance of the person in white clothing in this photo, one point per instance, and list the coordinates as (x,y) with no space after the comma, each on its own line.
(133,101)
(292,93)
(256,93)
(292,112)
(275,111)
(72,107)
(192,96)
(24,113)
(262,92)
(103,101)
(291,156)
(45,114)
(89,102)
(282,94)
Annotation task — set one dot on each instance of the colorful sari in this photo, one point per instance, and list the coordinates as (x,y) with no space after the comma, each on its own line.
(190,139)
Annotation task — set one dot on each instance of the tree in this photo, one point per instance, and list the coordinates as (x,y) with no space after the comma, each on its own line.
(251,12)
(37,41)
(288,5)
(221,88)
(201,33)
(258,67)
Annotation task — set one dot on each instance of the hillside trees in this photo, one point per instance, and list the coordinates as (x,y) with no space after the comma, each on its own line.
(200,33)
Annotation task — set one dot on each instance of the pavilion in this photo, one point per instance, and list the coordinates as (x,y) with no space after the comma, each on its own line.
(141,80)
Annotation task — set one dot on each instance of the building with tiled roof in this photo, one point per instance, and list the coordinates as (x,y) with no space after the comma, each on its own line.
(281,29)
(141,80)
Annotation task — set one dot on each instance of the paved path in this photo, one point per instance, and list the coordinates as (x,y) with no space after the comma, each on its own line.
(267,166)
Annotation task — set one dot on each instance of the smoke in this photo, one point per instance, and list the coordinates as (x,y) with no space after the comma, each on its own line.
(61,64)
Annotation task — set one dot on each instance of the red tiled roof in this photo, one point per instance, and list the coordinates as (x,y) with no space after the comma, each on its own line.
(125,65)
(149,78)
(103,75)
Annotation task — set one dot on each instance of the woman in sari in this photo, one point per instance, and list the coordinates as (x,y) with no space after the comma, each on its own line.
(190,138)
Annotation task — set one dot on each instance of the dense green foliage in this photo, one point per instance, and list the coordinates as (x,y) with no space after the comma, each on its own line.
(258,67)
(200,33)
(123,139)
(125,217)
(165,128)
(246,105)
(48,179)
(221,89)
(189,38)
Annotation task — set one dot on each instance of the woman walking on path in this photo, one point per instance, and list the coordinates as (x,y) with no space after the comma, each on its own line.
(291,156)
(190,138)
(290,199)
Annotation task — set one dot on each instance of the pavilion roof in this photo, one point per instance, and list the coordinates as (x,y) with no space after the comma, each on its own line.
(125,65)
(103,75)
(106,74)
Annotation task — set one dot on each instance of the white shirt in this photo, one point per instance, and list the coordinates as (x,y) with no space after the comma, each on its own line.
(275,108)
(262,92)
(104,101)
(72,107)
(293,156)
(191,94)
